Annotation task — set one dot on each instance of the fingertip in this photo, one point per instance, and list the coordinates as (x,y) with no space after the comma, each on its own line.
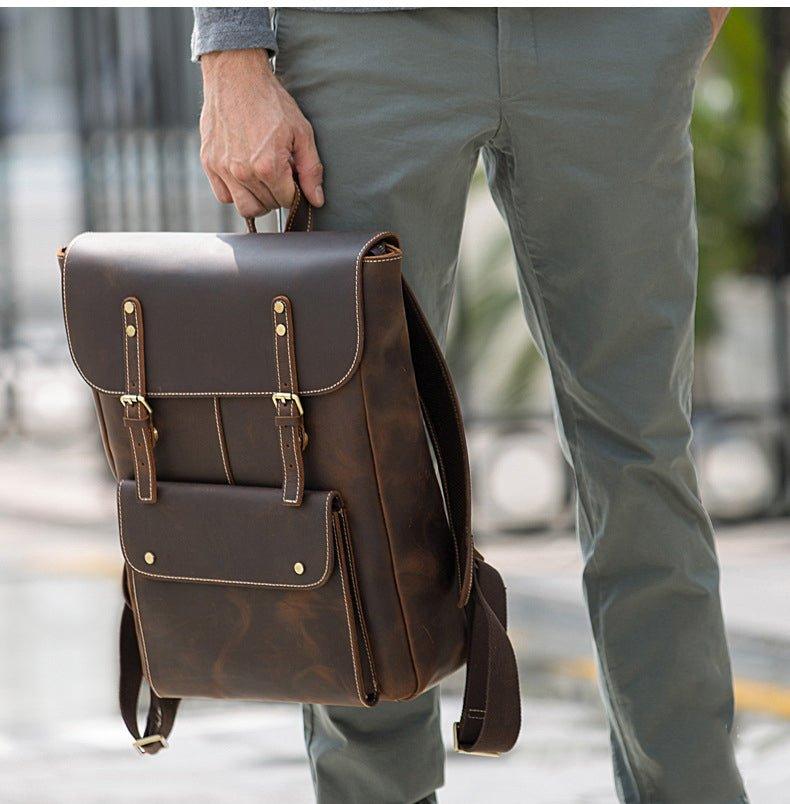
(317,199)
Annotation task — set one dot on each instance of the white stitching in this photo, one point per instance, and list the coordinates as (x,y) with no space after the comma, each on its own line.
(307,392)
(294,208)
(363,627)
(221,440)
(319,582)
(383,259)
(146,443)
(280,429)
(136,464)
(348,624)
(139,387)
(124,340)
(137,352)
(289,325)
(139,618)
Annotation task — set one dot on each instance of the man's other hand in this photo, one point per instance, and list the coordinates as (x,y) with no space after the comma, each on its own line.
(253,136)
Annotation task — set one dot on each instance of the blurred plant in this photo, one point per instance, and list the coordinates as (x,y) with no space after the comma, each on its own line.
(489,349)
(731,156)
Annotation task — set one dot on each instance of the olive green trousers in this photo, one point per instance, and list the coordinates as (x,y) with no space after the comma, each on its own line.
(582,118)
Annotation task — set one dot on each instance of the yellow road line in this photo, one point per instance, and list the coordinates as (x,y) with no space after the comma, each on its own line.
(750,695)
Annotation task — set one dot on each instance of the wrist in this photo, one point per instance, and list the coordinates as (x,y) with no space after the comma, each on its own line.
(242,63)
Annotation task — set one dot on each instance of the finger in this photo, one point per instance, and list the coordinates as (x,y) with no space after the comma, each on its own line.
(219,188)
(278,179)
(245,202)
(308,167)
(262,193)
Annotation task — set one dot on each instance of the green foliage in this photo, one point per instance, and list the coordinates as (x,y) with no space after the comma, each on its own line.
(731,155)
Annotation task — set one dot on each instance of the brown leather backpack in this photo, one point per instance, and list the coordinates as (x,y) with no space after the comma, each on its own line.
(263,400)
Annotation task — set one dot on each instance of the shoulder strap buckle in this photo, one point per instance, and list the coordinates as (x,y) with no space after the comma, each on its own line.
(142,744)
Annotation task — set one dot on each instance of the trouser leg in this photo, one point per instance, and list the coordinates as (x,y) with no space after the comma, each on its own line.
(399,135)
(390,753)
(592,169)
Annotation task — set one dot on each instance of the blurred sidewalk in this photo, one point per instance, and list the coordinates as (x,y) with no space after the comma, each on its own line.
(61,739)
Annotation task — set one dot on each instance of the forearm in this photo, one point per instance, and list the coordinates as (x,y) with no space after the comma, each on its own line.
(231,29)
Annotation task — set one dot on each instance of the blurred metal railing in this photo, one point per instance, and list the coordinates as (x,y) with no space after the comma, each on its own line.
(138,98)
(7,294)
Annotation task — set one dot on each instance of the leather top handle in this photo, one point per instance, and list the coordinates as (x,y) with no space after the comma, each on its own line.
(300,215)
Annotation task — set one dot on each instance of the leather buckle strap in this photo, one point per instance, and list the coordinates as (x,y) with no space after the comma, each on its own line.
(461,750)
(161,711)
(138,415)
(289,412)
(491,713)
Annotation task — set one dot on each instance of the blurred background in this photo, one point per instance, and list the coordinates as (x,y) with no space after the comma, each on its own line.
(98,118)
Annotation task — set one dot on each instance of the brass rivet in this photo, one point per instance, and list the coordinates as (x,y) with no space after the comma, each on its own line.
(131,331)
(280,329)
(299,568)
(128,308)
(279,307)
(149,558)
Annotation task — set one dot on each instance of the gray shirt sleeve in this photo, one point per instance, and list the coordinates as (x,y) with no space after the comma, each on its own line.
(231,29)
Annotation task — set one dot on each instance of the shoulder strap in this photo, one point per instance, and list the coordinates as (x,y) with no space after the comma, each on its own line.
(161,711)
(491,713)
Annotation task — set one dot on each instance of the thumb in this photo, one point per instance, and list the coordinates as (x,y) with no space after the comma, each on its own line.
(308,167)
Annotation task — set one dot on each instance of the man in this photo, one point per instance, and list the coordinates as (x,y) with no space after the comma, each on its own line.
(582,117)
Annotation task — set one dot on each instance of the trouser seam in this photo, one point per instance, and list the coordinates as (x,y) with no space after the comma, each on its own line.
(556,372)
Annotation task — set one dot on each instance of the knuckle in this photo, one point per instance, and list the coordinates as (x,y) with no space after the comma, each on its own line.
(207,161)
(264,167)
(241,171)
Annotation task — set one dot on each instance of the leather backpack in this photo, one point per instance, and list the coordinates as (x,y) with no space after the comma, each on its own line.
(271,406)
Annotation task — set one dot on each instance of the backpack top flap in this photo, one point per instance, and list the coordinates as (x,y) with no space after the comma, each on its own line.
(229,535)
(206,300)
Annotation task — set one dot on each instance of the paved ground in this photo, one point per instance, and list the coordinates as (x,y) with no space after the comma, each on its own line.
(62,741)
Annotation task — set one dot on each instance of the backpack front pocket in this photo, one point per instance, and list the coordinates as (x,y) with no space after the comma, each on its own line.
(237,596)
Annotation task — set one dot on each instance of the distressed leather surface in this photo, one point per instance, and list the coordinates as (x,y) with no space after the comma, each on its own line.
(206,300)
(251,643)
(392,597)
(367,442)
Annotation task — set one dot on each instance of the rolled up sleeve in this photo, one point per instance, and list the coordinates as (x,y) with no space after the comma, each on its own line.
(231,29)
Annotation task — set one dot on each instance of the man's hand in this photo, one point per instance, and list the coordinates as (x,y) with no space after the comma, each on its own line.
(253,136)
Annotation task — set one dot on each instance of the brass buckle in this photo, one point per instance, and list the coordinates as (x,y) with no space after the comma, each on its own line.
(132,399)
(287,396)
(144,741)
(457,746)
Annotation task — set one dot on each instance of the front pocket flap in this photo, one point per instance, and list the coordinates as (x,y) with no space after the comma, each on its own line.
(239,535)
